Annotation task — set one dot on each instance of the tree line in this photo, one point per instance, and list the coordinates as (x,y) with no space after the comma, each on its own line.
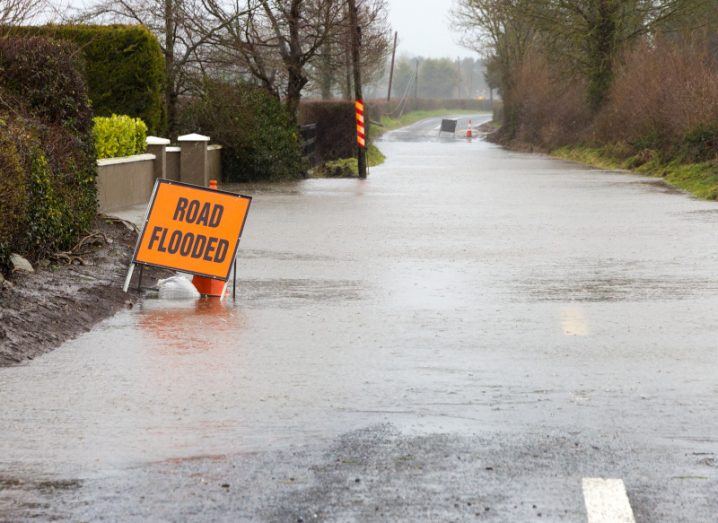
(583,44)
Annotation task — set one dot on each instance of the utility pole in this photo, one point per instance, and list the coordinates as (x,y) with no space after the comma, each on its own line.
(416,83)
(356,43)
(458,76)
(391,71)
(472,69)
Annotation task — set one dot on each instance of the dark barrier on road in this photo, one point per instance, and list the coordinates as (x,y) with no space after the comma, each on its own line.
(448,126)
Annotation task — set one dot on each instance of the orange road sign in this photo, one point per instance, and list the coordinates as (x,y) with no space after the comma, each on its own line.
(192,229)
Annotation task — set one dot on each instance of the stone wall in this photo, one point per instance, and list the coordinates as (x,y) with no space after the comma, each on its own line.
(128,181)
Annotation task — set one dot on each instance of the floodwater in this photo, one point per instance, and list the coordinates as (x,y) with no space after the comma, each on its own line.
(461,288)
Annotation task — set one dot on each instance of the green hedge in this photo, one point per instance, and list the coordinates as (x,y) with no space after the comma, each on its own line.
(259,142)
(119,136)
(124,68)
(48,156)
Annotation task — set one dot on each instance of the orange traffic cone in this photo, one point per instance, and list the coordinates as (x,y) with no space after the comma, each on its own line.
(469,131)
(209,286)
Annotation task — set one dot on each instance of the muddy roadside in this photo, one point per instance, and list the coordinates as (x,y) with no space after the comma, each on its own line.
(41,310)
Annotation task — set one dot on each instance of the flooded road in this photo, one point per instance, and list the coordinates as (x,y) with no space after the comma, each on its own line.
(466,334)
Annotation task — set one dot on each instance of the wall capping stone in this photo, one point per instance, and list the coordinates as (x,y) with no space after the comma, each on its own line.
(156,140)
(194,137)
(126,159)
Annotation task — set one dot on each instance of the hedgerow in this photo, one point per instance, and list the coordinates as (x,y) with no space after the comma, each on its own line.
(124,68)
(48,155)
(119,136)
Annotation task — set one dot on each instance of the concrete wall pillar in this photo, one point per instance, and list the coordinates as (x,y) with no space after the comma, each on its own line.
(158,147)
(194,165)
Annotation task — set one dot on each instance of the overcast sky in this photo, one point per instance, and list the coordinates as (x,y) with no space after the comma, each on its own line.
(424,29)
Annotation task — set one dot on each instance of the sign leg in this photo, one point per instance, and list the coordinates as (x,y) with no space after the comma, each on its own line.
(139,279)
(234,281)
(128,277)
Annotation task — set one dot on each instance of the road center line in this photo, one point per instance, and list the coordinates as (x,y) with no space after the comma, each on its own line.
(606,501)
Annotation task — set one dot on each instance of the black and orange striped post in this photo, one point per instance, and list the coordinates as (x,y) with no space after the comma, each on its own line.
(361,132)
(359,103)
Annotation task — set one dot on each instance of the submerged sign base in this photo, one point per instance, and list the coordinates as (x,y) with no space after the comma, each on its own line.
(191,229)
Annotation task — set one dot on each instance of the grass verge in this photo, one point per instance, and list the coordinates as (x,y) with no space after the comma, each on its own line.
(699,179)
(347,167)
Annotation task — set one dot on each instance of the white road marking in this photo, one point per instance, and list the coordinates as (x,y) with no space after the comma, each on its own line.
(606,501)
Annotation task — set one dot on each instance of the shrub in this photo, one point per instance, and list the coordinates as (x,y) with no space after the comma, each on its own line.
(675,112)
(119,136)
(44,79)
(46,130)
(124,68)
(253,127)
(548,109)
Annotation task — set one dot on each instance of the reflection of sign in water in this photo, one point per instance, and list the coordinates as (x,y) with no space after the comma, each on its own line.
(182,325)
(192,229)
(448,126)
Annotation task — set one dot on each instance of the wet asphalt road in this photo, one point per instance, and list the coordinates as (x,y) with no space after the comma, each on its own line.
(463,336)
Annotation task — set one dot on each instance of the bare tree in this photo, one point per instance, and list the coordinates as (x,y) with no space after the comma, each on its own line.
(333,59)
(500,31)
(591,33)
(586,34)
(18,12)
(276,43)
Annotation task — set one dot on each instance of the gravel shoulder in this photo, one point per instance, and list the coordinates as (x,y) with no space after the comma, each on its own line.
(41,310)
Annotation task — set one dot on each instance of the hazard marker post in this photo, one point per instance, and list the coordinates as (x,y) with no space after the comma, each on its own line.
(361,131)
(191,229)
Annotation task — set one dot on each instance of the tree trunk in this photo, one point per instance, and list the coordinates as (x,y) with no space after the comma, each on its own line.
(295,84)
(347,91)
(170,91)
(602,45)
(326,79)
(293,60)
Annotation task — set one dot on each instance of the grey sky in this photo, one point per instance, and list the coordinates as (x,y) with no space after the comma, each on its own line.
(424,28)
